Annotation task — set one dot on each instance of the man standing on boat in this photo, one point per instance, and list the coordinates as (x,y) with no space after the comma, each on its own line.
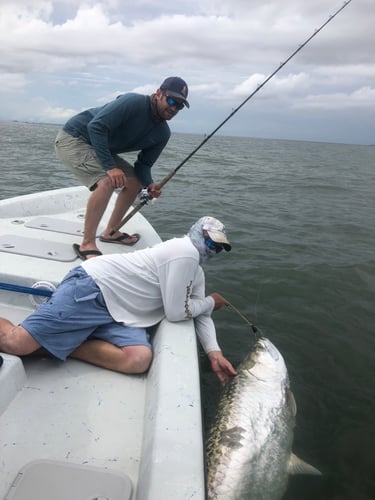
(102,309)
(90,143)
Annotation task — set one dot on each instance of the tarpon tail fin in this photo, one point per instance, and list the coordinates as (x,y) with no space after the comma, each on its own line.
(298,466)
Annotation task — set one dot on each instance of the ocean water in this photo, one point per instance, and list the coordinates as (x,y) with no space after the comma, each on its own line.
(301,218)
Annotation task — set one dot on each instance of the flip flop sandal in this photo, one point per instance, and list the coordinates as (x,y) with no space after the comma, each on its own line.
(82,254)
(121,239)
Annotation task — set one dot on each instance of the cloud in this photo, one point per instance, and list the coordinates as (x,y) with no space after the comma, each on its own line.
(278,86)
(12,82)
(70,54)
(91,35)
(363,98)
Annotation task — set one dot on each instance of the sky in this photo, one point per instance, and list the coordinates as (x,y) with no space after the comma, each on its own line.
(59,57)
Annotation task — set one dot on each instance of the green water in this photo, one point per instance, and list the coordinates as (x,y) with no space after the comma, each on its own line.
(301,217)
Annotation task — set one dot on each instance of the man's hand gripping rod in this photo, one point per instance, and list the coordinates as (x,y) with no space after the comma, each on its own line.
(147,197)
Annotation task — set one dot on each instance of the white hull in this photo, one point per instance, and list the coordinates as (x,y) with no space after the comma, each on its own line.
(90,428)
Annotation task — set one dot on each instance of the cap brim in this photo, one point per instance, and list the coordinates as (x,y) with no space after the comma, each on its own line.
(219,237)
(177,96)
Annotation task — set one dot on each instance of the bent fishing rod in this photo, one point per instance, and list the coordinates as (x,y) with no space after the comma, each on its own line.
(145,196)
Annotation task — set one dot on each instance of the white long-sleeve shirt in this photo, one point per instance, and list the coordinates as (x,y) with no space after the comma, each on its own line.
(143,287)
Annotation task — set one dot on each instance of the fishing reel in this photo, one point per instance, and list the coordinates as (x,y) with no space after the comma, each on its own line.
(144,196)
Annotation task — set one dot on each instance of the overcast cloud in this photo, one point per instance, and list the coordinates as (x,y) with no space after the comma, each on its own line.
(59,57)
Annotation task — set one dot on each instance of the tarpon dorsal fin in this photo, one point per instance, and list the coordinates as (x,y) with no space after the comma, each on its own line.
(298,466)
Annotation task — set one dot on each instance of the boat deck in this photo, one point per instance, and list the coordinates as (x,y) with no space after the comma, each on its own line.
(72,412)
(67,418)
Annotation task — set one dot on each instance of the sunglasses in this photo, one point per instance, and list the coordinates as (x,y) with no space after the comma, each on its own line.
(213,246)
(172,102)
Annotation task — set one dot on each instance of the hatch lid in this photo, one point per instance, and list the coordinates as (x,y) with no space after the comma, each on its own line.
(46,479)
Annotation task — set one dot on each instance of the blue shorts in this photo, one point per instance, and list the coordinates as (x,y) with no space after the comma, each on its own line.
(76,312)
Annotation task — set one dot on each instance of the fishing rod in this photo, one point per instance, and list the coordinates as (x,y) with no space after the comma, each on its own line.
(145,196)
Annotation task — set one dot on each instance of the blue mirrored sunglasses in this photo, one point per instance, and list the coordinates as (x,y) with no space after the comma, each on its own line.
(212,245)
(172,102)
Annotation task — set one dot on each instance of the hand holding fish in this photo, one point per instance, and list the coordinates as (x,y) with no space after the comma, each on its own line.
(221,366)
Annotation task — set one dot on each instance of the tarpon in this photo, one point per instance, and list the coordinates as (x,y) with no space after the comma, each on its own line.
(249,448)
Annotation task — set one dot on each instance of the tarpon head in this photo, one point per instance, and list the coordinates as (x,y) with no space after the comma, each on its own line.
(265,362)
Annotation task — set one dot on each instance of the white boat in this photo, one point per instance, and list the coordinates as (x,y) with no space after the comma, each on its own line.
(73,431)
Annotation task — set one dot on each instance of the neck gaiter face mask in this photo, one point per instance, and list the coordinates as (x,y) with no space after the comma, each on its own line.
(196,235)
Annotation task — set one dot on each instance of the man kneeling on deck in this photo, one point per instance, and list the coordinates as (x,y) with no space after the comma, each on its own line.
(102,308)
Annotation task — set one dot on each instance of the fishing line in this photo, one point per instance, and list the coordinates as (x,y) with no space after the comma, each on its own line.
(252,326)
(145,196)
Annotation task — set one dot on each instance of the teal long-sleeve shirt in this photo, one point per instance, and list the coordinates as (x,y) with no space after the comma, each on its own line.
(123,125)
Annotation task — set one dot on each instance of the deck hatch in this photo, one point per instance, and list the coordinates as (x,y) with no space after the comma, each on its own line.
(56,225)
(46,479)
(32,247)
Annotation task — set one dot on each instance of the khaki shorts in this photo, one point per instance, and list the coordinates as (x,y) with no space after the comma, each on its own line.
(81,159)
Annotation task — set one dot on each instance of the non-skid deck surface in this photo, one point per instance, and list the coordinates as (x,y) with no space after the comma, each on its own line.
(56,225)
(44,249)
(32,247)
(59,226)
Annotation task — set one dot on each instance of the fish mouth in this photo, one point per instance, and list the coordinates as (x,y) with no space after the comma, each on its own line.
(259,343)
(263,344)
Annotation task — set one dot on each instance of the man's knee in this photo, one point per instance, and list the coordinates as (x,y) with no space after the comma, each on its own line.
(137,359)
(18,341)
(104,184)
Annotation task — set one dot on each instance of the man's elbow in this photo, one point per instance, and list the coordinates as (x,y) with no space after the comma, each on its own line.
(174,316)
